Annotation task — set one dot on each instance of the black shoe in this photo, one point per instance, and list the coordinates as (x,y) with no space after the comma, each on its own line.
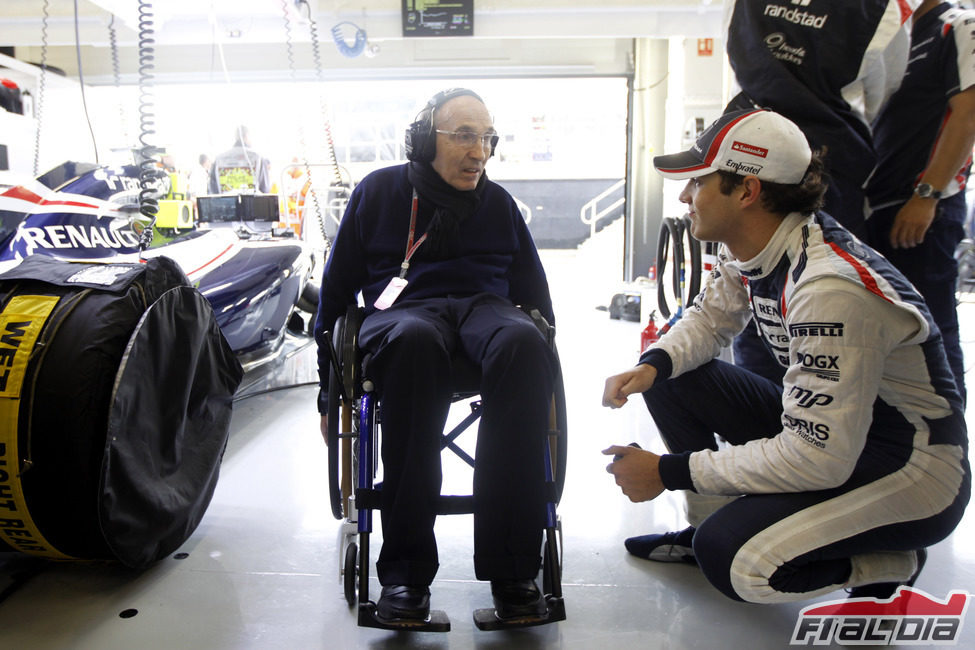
(404,602)
(664,547)
(517,599)
(884,590)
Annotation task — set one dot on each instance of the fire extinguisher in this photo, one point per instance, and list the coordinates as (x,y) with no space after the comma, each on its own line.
(649,334)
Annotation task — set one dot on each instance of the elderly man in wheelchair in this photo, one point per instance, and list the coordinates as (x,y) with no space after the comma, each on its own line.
(442,259)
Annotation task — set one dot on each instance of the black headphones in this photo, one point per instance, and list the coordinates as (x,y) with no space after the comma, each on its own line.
(421,140)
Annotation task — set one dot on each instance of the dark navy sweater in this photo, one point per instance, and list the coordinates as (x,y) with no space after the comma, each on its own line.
(497,254)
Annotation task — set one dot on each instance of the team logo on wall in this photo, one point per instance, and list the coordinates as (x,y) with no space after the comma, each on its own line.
(909,617)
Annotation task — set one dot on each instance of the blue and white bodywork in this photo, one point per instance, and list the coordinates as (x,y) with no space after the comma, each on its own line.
(77,211)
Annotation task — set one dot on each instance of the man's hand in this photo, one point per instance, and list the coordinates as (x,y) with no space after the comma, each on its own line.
(635,380)
(637,472)
(912,222)
(324,429)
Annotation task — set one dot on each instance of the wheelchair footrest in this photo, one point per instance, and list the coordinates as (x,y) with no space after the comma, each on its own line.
(449,504)
(436,622)
(366,499)
(486,619)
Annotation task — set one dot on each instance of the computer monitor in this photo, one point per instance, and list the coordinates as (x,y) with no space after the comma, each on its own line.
(259,207)
(216,209)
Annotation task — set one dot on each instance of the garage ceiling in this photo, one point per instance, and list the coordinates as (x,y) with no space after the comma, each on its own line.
(196,38)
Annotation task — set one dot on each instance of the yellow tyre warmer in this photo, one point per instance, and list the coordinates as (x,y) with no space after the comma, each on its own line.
(123,411)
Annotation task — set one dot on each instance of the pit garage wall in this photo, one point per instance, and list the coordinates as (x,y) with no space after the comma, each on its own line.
(678,85)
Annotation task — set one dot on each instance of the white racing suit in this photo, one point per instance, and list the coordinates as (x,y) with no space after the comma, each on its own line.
(858,459)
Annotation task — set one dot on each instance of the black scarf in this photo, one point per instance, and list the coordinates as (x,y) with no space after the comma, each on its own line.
(450,207)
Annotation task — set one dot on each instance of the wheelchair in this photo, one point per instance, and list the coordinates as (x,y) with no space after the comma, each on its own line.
(353,455)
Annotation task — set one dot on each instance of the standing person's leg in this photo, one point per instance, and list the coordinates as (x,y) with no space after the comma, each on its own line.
(411,347)
(845,201)
(517,373)
(931,268)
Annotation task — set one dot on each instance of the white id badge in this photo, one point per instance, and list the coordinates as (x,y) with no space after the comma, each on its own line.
(391,293)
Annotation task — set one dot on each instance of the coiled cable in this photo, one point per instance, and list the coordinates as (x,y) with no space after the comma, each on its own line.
(117,77)
(316,54)
(357,47)
(326,125)
(149,171)
(41,83)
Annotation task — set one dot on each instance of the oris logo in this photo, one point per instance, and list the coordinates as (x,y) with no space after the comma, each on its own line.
(808,430)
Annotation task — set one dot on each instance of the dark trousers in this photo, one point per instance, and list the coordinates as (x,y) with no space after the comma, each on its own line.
(931,268)
(412,344)
(764,547)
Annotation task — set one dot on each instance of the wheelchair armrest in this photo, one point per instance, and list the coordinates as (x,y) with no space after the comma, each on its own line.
(333,359)
(547,330)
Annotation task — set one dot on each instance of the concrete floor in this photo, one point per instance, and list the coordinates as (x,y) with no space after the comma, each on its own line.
(262,569)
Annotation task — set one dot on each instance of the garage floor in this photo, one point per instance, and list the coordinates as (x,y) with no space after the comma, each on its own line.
(262,569)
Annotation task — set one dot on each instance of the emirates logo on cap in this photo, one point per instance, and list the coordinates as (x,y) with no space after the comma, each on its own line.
(749,149)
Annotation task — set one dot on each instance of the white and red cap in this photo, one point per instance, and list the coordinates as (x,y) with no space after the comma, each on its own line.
(750,142)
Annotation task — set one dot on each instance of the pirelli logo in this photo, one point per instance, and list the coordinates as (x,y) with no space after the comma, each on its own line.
(21,322)
(816,329)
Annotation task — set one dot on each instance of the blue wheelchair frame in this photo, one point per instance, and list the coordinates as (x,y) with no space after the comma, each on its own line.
(353,457)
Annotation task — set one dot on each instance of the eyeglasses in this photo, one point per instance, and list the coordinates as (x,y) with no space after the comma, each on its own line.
(468,138)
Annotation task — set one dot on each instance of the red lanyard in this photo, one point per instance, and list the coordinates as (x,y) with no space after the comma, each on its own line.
(410,246)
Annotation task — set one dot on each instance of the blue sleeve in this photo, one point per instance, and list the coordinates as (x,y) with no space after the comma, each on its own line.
(660,360)
(675,471)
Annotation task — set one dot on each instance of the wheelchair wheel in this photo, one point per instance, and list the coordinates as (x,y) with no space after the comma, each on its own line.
(551,570)
(559,442)
(334,406)
(350,571)
(341,412)
(965,256)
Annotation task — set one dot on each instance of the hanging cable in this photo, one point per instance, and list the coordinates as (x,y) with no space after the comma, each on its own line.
(676,241)
(149,172)
(316,53)
(694,254)
(303,144)
(41,83)
(326,125)
(81,80)
(117,77)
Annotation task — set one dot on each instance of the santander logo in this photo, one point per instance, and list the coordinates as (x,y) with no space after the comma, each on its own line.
(744,147)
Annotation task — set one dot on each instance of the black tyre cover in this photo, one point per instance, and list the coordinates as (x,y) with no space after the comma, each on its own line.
(123,412)
(167,429)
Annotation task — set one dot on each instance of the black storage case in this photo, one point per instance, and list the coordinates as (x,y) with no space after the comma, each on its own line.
(124,410)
